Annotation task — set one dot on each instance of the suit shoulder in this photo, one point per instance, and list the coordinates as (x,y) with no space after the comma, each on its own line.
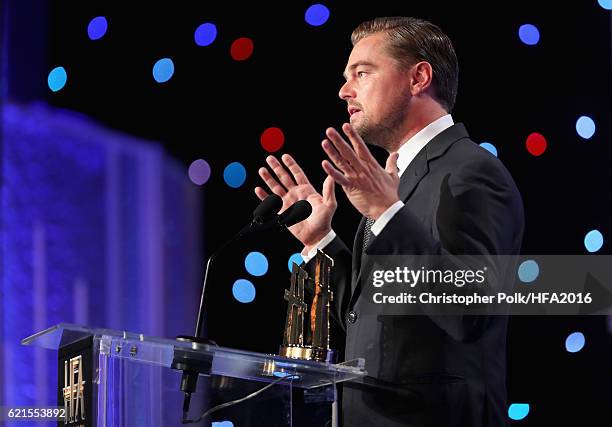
(467,158)
(471,152)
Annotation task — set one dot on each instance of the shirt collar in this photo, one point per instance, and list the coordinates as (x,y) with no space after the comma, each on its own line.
(408,151)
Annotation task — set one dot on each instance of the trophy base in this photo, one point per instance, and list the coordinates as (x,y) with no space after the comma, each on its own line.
(304,353)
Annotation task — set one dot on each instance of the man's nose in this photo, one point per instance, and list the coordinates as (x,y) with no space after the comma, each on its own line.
(346,91)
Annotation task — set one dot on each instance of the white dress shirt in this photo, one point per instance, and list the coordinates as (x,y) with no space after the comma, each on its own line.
(406,154)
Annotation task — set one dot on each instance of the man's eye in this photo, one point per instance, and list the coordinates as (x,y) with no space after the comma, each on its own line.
(361,74)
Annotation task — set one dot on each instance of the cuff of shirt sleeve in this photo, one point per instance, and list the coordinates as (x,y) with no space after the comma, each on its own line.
(380,223)
(322,243)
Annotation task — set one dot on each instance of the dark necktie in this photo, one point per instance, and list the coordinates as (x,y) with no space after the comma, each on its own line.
(367,233)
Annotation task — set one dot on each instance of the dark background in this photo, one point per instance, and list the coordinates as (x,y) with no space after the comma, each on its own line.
(216,108)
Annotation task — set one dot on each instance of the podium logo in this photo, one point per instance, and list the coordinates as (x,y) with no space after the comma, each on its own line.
(74,390)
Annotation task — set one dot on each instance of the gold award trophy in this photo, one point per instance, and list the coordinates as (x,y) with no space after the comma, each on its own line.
(312,342)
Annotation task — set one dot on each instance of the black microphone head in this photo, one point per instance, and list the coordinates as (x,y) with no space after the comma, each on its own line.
(267,208)
(297,212)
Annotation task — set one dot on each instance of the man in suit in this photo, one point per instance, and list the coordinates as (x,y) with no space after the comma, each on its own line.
(439,194)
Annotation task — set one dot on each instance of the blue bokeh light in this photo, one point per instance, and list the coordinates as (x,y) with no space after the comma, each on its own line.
(234,174)
(297,258)
(97,28)
(585,126)
(222,424)
(574,342)
(243,290)
(163,70)
(205,34)
(57,79)
(518,411)
(528,271)
(593,241)
(256,264)
(489,147)
(529,34)
(316,15)
(606,4)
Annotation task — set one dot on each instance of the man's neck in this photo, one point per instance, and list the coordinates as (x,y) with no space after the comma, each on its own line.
(417,121)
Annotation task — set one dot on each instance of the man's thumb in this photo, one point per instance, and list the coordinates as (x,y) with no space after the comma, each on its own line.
(391,165)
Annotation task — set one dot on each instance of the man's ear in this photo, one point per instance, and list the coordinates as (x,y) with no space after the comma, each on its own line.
(421,75)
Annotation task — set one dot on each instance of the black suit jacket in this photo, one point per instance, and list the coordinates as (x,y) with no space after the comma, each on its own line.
(432,370)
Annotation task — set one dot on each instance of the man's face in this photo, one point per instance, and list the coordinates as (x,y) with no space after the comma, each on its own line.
(376,91)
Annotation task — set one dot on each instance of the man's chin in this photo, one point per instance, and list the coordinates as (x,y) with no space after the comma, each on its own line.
(365,132)
(372,136)
(360,127)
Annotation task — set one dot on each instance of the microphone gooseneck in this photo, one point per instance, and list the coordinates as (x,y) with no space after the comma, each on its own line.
(264,217)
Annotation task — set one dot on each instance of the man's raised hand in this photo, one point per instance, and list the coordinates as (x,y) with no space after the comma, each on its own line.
(369,187)
(289,181)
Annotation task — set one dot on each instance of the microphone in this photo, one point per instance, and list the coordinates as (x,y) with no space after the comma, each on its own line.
(267,208)
(297,212)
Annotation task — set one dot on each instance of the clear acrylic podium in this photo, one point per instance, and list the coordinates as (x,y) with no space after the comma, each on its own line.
(127,380)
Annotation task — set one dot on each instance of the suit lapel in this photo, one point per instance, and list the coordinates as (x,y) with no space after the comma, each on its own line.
(419,167)
(413,174)
(357,253)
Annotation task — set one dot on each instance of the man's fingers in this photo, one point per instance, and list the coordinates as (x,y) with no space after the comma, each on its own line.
(340,162)
(297,172)
(272,184)
(342,147)
(334,173)
(281,172)
(261,193)
(329,191)
(358,145)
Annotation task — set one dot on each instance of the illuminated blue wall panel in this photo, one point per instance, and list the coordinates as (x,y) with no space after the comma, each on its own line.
(99,229)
